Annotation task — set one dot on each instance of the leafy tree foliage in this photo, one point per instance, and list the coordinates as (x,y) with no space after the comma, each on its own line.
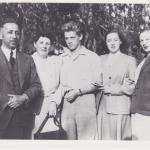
(97,20)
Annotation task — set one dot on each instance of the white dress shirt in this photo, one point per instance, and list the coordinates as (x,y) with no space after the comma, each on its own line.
(7,51)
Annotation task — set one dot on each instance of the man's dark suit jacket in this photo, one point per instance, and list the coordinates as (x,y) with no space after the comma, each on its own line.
(141,96)
(29,83)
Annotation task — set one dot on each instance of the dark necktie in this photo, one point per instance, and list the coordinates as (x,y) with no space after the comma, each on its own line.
(147,54)
(12,60)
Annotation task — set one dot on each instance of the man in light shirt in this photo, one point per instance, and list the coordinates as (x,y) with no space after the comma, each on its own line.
(140,104)
(19,86)
(79,71)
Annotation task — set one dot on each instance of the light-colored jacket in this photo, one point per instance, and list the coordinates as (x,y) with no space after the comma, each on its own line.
(115,74)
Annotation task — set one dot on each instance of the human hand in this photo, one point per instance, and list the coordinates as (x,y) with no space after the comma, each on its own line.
(15,100)
(71,95)
(106,89)
(98,86)
(128,81)
(52,109)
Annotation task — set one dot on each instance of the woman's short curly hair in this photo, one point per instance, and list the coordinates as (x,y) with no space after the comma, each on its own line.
(43,34)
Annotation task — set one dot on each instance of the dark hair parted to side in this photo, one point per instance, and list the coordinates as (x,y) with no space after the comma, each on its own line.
(43,34)
(73,26)
(117,31)
(124,44)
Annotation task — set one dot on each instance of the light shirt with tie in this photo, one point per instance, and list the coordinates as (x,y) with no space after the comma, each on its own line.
(7,52)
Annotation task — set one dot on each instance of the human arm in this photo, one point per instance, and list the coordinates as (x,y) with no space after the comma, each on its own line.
(33,85)
(55,100)
(17,100)
(93,75)
(72,94)
(127,87)
(128,84)
(30,85)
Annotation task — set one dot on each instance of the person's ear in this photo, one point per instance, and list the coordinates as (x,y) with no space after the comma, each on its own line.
(120,42)
(1,33)
(81,36)
(34,44)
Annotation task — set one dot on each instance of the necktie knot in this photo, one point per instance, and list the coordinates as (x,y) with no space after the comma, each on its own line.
(147,54)
(11,53)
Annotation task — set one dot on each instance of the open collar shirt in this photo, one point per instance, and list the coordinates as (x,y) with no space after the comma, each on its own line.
(81,69)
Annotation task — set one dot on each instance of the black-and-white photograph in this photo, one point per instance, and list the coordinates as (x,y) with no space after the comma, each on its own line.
(75,71)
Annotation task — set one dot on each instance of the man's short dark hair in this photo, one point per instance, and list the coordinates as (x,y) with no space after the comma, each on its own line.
(9,20)
(73,26)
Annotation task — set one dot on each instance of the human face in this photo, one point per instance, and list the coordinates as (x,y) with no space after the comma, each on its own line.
(113,42)
(43,46)
(145,40)
(72,40)
(10,35)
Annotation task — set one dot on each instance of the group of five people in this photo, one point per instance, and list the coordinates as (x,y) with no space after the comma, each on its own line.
(77,79)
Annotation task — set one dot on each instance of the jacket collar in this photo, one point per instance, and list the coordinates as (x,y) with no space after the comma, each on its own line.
(4,67)
(5,70)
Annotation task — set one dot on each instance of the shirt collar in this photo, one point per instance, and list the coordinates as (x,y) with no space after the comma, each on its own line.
(83,51)
(7,51)
(115,55)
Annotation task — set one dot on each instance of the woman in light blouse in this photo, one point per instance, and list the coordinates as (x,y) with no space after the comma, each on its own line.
(48,69)
(118,69)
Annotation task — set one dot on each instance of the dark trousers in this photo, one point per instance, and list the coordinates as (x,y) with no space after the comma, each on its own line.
(20,126)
